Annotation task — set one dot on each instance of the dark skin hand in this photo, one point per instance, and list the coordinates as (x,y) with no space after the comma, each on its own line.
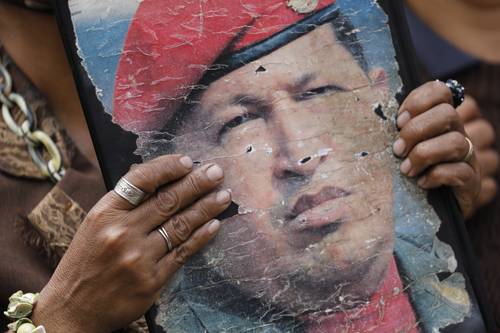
(117,262)
(482,135)
(432,145)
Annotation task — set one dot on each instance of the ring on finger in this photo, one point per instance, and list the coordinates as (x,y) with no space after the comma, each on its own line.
(161,230)
(129,191)
(457,91)
(468,157)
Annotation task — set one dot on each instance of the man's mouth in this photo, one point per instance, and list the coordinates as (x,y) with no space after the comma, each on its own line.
(320,212)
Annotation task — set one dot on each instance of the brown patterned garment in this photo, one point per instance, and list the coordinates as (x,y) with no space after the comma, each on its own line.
(38,219)
(483,83)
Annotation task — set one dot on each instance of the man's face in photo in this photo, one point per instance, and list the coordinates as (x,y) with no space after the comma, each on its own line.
(305,157)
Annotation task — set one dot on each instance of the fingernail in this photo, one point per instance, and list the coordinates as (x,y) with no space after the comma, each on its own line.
(399,147)
(186,161)
(405,166)
(214,173)
(214,226)
(421,181)
(223,197)
(403,119)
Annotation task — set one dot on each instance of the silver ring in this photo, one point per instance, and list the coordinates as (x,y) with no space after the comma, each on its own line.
(129,192)
(161,230)
(468,157)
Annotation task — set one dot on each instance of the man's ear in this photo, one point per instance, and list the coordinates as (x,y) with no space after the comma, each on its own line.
(380,84)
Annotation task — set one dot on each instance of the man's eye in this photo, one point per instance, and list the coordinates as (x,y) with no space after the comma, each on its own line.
(318,91)
(237,121)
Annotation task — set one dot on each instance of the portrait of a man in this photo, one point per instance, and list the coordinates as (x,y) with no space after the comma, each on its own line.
(292,100)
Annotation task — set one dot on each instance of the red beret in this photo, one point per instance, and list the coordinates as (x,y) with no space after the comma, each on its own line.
(171,43)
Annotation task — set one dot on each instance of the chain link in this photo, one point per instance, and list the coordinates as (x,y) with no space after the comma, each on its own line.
(36,140)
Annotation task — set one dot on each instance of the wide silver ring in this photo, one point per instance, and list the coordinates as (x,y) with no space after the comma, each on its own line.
(470,153)
(129,192)
(161,230)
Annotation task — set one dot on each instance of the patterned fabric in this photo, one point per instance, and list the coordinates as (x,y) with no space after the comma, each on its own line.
(56,218)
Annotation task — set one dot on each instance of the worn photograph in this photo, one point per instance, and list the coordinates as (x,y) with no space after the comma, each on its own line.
(296,100)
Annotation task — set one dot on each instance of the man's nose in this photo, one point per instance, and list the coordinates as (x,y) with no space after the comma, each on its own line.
(300,148)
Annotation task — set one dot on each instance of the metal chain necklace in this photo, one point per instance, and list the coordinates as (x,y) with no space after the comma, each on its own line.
(37,141)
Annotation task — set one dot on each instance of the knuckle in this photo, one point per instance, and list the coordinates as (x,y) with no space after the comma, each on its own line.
(462,178)
(97,213)
(413,130)
(495,161)
(114,238)
(437,171)
(204,209)
(167,202)
(169,167)
(182,254)
(181,228)
(103,210)
(440,88)
(487,129)
(449,112)
(149,286)
(194,184)
(459,145)
(419,152)
(130,263)
(436,85)
(473,106)
(489,184)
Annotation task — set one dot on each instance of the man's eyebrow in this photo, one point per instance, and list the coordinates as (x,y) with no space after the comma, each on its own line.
(247,100)
(303,81)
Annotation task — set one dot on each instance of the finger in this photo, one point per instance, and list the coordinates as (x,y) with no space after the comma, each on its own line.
(174,197)
(461,176)
(422,99)
(152,174)
(171,262)
(438,120)
(181,226)
(481,133)
(489,161)
(468,110)
(447,174)
(488,191)
(449,147)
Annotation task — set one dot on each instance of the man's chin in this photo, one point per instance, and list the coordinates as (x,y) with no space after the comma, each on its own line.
(316,289)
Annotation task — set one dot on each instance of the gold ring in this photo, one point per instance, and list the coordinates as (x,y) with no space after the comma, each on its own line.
(470,153)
